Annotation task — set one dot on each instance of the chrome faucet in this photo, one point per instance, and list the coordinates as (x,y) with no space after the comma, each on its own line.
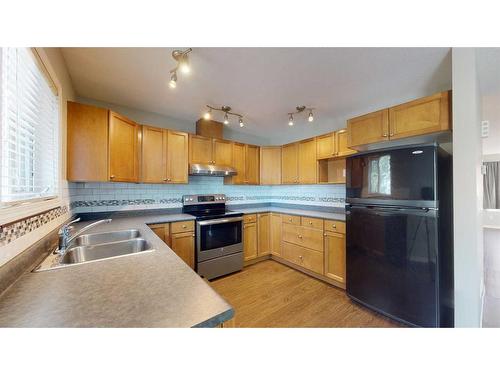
(64,234)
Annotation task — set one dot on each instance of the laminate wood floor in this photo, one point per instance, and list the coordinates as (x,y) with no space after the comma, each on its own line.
(269,294)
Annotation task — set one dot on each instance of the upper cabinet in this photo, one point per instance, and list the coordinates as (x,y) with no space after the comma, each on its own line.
(289,164)
(418,117)
(341,148)
(246,162)
(370,128)
(123,152)
(223,152)
(270,165)
(177,157)
(422,116)
(87,143)
(325,145)
(200,149)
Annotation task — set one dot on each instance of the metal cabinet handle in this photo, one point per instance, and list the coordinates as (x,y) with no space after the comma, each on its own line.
(300,236)
(310,223)
(184,226)
(391,134)
(333,225)
(112,176)
(385,135)
(164,179)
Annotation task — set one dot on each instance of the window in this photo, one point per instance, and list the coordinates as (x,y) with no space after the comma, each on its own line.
(380,175)
(29,139)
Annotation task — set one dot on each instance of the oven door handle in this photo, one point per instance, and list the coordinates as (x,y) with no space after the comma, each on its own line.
(219,221)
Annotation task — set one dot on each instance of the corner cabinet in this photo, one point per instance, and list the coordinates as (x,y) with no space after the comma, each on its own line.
(289,164)
(307,162)
(123,149)
(270,165)
(246,161)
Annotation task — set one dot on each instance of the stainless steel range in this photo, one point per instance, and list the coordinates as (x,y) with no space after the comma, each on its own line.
(219,235)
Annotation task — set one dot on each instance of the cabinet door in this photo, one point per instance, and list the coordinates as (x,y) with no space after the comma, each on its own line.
(239,163)
(263,227)
(370,128)
(308,168)
(162,231)
(223,152)
(154,154)
(325,146)
(123,149)
(252,165)
(335,256)
(87,143)
(200,149)
(270,165)
(341,144)
(183,246)
(250,241)
(427,115)
(177,157)
(289,161)
(276,234)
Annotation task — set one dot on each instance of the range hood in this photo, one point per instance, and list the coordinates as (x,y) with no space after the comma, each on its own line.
(196,169)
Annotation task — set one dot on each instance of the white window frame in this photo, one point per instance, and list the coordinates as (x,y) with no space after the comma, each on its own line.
(13,211)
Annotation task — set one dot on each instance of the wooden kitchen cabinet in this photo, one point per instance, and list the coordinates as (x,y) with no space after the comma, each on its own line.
(264,235)
(326,146)
(341,140)
(370,128)
(177,157)
(87,143)
(303,236)
(270,165)
(304,257)
(422,116)
(200,149)
(162,231)
(252,164)
(289,163)
(223,152)
(276,234)
(123,149)
(164,156)
(183,246)
(307,162)
(335,256)
(250,243)
(332,171)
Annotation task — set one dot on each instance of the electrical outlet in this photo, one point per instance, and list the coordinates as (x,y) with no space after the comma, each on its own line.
(485,129)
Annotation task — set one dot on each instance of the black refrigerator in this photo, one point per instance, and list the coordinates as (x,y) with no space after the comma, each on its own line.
(399,244)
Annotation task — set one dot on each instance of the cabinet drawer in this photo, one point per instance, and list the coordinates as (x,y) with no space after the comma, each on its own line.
(335,226)
(182,226)
(249,218)
(306,237)
(291,219)
(311,222)
(310,259)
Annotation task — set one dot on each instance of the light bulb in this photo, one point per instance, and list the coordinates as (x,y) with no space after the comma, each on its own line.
(173,80)
(207,115)
(226,119)
(241,123)
(184,65)
(290,121)
(310,118)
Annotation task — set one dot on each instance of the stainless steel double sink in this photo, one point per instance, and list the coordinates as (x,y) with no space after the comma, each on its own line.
(97,246)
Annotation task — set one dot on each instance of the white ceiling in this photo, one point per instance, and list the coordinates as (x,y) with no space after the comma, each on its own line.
(262,83)
(488,69)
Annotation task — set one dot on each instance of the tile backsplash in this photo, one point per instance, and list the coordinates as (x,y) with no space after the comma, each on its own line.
(108,196)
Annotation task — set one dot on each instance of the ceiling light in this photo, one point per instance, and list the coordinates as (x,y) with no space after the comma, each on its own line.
(300,109)
(226,119)
(241,122)
(184,65)
(208,114)
(173,80)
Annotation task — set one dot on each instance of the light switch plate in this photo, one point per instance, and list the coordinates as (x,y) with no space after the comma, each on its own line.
(485,129)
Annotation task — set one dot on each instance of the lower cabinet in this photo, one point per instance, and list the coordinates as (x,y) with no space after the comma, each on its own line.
(179,236)
(335,256)
(264,235)
(250,243)
(307,258)
(276,234)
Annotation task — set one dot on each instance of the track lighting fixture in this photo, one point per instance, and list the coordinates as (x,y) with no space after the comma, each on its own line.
(182,63)
(227,111)
(300,109)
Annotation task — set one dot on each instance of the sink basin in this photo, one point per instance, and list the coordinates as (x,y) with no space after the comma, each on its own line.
(81,254)
(100,238)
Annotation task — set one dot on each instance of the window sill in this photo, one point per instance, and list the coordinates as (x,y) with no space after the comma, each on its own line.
(21,210)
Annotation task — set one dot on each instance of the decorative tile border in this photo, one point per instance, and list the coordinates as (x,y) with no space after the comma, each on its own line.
(14,230)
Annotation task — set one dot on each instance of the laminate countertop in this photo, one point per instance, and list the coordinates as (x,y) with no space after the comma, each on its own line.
(335,214)
(152,289)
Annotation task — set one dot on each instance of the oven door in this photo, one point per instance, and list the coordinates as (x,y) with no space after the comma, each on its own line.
(218,237)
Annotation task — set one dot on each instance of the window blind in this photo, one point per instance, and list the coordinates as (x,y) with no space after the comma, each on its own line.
(29,108)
